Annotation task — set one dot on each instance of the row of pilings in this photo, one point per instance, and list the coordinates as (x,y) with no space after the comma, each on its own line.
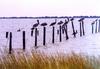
(63,29)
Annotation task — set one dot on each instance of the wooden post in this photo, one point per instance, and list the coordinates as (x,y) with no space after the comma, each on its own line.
(99,26)
(53,34)
(36,37)
(92,28)
(57,32)
(63,29)
(80,30)
(60,37)
(31,32)
(83,28)
(66,32)
(38,32)
(96,27)
(74,32)
(44,35)
(24,40)
(6,34)
(10,43)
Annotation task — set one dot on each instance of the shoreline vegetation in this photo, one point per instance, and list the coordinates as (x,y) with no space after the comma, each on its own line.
(50,17)
(40,60)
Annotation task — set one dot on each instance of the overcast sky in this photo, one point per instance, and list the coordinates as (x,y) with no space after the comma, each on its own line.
(49,7)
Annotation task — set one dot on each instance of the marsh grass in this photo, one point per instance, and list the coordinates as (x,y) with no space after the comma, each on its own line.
(39,60)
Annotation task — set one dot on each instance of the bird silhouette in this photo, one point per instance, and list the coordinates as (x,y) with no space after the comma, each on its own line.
(61,22)
(19,29)
(66,21)
(92,22)
(71,19)
(96,19)
(53,23)
(35,25)
(81,19)
(32,28)
(43,24)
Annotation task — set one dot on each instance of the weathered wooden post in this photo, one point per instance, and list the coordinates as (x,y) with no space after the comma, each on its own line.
(83,26)
(99,26)
(65,28)
(96,26)
(53,30)
(92,27)
(10,43)
(44,33)
(60,36)
(74,32)
(32,31)
(6,34)
(35,37)
(80,28)
(24,43)
(57,32)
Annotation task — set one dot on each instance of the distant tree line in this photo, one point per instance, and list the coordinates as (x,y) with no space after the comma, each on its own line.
(25,17)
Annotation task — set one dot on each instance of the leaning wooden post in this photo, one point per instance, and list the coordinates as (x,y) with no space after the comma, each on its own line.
(10,43)
(24,40)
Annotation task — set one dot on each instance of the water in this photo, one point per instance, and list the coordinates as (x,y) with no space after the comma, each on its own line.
(88,43)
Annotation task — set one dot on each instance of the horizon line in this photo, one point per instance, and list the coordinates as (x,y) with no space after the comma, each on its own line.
(30,17)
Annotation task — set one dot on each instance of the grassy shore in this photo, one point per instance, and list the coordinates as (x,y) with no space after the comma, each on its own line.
(38,60)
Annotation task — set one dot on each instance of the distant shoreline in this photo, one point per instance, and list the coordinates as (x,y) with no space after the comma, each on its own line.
(49,17)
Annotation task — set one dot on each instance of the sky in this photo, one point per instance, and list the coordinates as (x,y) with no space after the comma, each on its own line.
(49,7)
